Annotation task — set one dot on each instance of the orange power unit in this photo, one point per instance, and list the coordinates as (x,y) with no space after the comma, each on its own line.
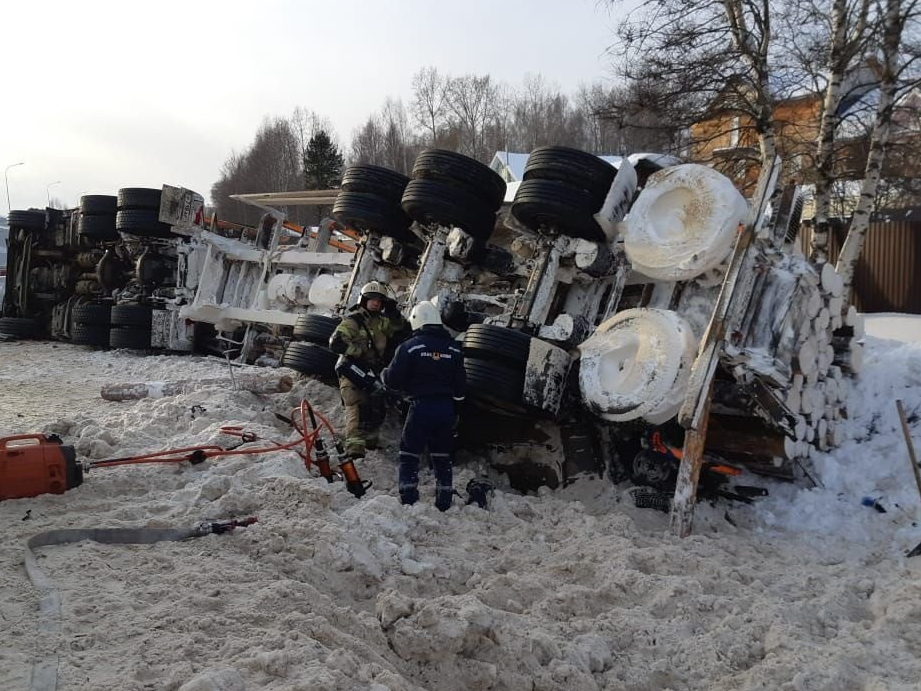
(33,464)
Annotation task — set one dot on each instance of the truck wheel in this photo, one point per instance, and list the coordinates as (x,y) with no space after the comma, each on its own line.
(83,334)
(550,205)
(461,171)
(92,315)
(129,337)
(683,223)
(138,198)
(436,202)
(17,326)
(99,227)
(143,222)
(495,383)
(364,211)
(577,168)
(27,220)
(139,316)
(496,344)
(637,365)
(315,328)
(98,204)
(311,359)
(382,182)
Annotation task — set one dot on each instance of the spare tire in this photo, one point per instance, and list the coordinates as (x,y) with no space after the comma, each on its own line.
(98,204)
(461,171)
(27,220)
(383,182)
(497,344)
(577,168)
(311,359)
(440,203)
(315,328)
(683,223)
(637,365)
(549,205)
(138,198)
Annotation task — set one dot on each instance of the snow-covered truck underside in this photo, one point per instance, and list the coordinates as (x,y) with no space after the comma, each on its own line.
(582,303)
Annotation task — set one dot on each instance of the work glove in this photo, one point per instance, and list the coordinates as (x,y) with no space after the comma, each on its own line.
(392,310)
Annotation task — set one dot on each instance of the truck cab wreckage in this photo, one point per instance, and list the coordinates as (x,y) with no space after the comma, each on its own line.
(598,305)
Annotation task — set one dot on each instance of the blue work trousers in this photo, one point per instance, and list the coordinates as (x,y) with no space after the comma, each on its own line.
(429,424)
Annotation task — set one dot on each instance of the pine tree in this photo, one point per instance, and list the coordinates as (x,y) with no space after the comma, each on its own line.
(322,162)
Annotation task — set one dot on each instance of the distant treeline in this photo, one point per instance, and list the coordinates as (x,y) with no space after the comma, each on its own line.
(472,114)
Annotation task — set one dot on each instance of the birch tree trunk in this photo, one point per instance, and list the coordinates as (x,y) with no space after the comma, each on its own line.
(893,25)
(841,53)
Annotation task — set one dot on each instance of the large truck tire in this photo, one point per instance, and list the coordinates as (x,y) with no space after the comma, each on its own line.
(383,182)
(26,220)
(19,327)
(98,205)
(496,344)
(369,212)
(129,337)
(143,222)
(441,203)
(577,168)
(92,315)
(462,171)
(551,205)
(138,198)
(99,227)
(311,359)
(86,334)
(139,316)
(315,328)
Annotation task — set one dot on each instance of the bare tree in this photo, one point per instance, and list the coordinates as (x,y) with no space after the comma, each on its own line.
(472,102)
(429,104)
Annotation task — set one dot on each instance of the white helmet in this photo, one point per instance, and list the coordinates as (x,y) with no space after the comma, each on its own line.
(423,314)
(375,289)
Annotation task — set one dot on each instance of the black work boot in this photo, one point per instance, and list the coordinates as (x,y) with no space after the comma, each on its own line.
(443,499)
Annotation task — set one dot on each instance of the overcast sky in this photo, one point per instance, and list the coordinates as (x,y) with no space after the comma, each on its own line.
(102,95)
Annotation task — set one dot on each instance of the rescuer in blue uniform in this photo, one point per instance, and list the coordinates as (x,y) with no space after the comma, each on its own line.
(429,367)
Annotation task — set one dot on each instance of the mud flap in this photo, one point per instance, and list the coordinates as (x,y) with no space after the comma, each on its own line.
(545,376)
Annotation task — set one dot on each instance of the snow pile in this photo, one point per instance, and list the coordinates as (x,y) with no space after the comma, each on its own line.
(572,589)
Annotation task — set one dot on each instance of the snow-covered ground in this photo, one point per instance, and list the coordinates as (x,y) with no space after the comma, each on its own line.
(577,589)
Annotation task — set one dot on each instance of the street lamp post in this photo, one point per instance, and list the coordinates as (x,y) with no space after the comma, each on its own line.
(48,190)
(6,181)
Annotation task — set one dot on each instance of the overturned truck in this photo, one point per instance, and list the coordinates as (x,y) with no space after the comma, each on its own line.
(598,309)
(604,310)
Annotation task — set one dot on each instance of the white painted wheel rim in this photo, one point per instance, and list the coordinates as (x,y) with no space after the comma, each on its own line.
(683,223)
(636,365)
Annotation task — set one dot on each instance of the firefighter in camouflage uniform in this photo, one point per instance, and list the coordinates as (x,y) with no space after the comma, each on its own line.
(365,340)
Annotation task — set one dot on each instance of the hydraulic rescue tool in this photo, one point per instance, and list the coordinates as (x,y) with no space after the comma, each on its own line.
(33,464)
